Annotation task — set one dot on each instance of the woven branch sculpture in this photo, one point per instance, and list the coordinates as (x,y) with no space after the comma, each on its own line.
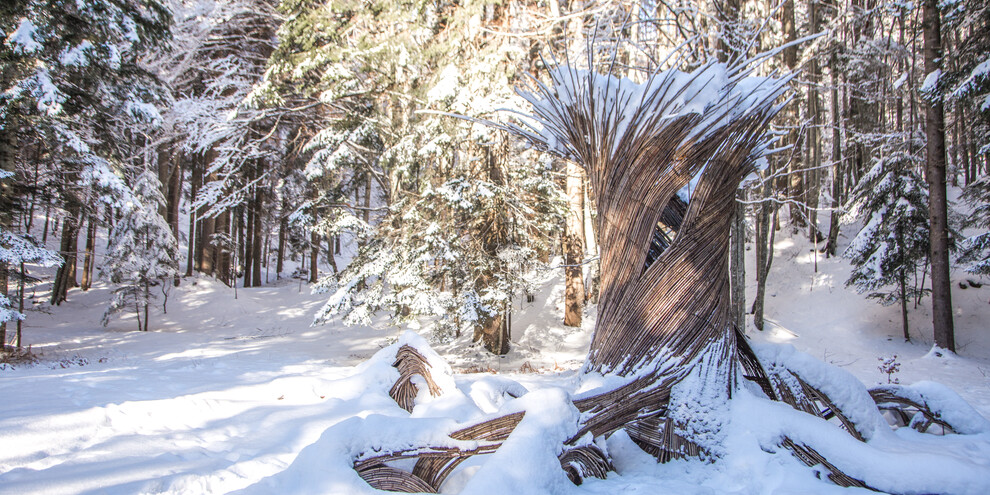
(664,318)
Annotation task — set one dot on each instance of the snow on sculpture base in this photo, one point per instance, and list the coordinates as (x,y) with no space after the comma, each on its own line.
(523,446)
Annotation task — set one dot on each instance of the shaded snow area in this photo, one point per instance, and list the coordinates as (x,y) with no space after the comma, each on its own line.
(241,395)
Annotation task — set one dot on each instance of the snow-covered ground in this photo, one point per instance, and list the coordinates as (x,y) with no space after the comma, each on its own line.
(228,395)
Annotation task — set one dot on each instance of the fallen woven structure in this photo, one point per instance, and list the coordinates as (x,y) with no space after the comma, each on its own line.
(664,328)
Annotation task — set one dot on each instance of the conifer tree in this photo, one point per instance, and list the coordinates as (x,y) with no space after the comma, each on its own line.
(459,217)
(892,201)
(142,251)
(72,83)
(976,248)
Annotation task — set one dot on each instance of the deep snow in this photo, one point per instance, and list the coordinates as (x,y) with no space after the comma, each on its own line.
(228,395)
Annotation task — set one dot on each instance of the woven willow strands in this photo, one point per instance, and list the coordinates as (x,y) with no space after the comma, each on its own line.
(830,410)
(906,409)
(582,462)
(639,150)
(411,363)
(434,464)
(395,480)
(811,458)
(663,309)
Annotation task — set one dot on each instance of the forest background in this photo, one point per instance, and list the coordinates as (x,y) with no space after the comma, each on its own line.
(277,130)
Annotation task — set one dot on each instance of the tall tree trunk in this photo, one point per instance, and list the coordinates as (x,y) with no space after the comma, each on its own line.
(20,308)
(147,302)
(8,150)
(765,235)
(208,226)
(257,244)
(172,201)
(34,194)
(249,242)
(223,254)
(314,257)
(65,275)
(938,208)
(963,144)
(837,169)
(196,177)
(330,254)
(794,173)
(87,276)
(813,139)
(366,214)
(493,326)
(4,278)
(283,226)
(48,217)
(574,246)
(737,262)
(728,20)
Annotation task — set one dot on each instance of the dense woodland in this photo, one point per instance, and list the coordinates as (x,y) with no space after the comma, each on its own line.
(258,132)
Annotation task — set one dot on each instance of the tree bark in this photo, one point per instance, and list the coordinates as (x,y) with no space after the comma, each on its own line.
(765,234)
(194,182)
(837,170)
(208,226)
(283,226)
(65,275)
(938,209)
(223,251)
(87,276)
(257,244)
(4,281)
(737,262)
(314,257)
(147,302)
(795,175)
(249,243)
(574,246)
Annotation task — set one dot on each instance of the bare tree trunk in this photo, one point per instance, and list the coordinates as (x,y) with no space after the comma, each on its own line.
(964,160)
(137,312)
(65,275)
(34,195)
(814,132)
(194,181)
(48,216)
(283,226)
(256,243)
(249,242)
(795,175)
(765,234)
(87,277)
(938,208)
(366,214)
(173,199)
(222,257)
(314,257)
(206,238)
(147,302)
(20,309)
(574,246)
(4,277)
(737,262)
(330,254)
(837,170)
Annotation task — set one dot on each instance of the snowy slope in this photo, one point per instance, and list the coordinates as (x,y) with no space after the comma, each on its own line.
(242,394)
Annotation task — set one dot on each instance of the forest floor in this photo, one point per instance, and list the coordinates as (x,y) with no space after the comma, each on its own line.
(229,394)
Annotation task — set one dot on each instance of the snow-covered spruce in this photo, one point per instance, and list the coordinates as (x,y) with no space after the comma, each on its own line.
(142,251)
(664,335)
(15,250)
(890,249)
